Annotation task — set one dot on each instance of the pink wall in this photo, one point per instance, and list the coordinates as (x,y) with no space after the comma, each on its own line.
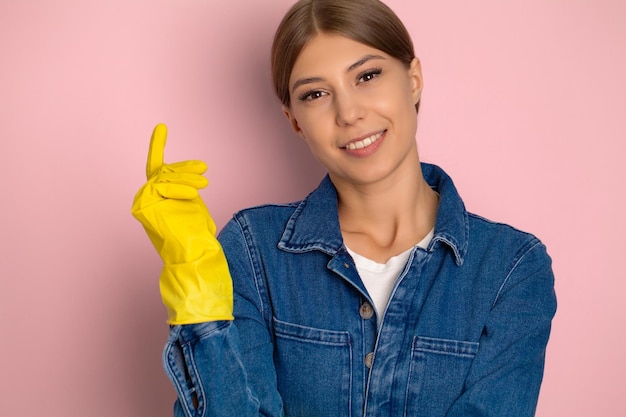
(523,105)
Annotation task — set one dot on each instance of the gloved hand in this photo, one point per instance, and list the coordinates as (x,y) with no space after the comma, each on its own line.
(195,281)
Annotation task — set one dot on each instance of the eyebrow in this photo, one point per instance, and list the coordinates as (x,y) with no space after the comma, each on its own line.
(357,64)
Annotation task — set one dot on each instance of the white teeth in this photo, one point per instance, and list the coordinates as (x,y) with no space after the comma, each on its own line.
(364,143)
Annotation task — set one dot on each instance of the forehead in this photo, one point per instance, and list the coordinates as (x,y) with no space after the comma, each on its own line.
(328,52)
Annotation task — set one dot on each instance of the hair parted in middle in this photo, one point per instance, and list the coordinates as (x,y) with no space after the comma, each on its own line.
(369,22)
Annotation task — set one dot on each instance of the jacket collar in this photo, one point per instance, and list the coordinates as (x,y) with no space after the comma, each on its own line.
(314,225)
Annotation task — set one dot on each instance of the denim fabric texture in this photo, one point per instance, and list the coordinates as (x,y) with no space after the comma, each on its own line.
(464,333)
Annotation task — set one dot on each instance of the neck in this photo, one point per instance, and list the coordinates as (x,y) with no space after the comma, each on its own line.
(383,219)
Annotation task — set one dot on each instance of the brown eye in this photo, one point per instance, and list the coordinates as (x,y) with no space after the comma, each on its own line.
(369,75)
(311,95)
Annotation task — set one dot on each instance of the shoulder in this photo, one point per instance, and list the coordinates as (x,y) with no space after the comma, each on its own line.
(265,212)
(263,219)
(484,227)
(503,243)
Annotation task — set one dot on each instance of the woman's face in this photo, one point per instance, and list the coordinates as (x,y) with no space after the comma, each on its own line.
(354,105)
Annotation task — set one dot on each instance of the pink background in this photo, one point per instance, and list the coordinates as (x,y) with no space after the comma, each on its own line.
(524,105)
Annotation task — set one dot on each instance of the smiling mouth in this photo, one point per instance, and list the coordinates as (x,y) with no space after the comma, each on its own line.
(363,143)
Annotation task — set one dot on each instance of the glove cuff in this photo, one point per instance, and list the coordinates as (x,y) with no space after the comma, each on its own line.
(197,292)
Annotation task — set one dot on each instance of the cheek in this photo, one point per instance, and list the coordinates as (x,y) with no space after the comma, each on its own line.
(393,98)
(404,104)
(316,138)
(313,126)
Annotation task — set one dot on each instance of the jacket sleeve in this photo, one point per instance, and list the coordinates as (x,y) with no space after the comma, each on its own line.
(226,368)
(506,374)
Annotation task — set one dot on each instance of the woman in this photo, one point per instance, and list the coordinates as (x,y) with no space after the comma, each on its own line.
(378,294)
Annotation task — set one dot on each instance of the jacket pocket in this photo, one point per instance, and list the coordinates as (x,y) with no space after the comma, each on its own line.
(437,373)
(314,370)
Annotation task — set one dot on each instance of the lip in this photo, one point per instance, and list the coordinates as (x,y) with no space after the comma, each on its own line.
(364,145)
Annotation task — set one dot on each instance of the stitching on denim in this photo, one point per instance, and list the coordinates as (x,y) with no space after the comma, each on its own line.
(289,331)
(350,374)
(516,262)
(458,259)
(195,380)
(209,328)
(458,348)
(177,378)
(408,385)
(447,353)
(312,341)
(327,248)
(466,245)
(286,242)
(253,257)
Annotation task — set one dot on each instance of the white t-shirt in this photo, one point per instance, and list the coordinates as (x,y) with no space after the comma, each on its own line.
(378,278)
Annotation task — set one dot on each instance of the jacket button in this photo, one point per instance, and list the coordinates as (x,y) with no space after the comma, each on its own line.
(366,311)
(369,359)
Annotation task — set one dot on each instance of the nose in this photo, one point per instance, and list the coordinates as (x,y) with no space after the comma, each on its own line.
(349,108)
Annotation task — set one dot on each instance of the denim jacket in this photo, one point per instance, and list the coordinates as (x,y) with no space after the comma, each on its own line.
(464,333)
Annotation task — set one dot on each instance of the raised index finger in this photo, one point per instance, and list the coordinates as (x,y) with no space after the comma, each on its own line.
(157,146)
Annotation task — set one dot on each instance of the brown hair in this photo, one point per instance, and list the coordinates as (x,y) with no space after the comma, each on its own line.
(370,22)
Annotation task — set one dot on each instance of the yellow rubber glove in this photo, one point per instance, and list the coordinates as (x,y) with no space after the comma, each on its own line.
(195,282)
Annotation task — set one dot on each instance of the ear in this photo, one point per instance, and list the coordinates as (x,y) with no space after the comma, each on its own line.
(416,80)
(292,121)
